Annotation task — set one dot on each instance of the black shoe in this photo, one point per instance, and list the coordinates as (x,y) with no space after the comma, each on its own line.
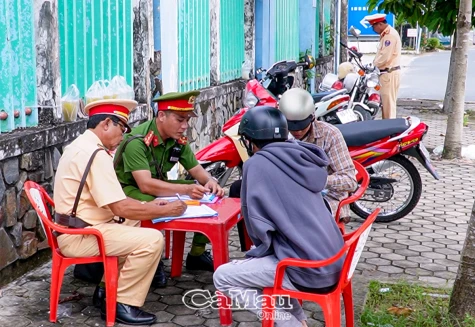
(160,278)
(99,296)
(201,262)
(130,315)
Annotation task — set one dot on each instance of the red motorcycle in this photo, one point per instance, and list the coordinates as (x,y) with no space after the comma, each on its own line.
(224,157)
(380,145)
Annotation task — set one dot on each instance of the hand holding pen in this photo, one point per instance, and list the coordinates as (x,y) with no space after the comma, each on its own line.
(188,202)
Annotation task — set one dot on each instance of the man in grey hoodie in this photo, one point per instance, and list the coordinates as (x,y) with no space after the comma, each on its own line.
(285,216)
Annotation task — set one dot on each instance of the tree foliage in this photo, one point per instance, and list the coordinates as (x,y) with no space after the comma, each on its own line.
(436,15)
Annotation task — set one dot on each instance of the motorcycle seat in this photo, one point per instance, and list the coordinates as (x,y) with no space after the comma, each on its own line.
(369,131)
(318,96)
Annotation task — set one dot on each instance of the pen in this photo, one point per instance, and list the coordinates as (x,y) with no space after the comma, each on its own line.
(178,196)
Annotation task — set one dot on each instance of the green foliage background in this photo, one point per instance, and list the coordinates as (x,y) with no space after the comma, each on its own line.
(436,15)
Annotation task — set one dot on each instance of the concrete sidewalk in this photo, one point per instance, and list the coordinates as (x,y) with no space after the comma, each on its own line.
(423,247)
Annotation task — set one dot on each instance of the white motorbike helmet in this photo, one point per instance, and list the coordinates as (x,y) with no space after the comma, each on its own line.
(298,107)
(344,69)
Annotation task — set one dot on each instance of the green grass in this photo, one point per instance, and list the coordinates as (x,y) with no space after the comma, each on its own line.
(425,310)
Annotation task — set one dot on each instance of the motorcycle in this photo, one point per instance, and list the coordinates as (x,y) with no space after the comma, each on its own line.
(393,177)
(331,107)
(224,157)
(362,86)
(395,183)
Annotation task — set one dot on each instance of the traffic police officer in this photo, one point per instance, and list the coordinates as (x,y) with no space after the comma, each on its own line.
(102,202)
(387,60)
(151,150)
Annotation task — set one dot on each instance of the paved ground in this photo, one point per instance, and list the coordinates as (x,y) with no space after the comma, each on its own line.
(422,247)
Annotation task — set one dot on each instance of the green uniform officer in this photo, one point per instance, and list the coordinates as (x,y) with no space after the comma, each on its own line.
(150,151)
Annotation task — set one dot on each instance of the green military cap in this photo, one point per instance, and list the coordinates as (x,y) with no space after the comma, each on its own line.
(178,101)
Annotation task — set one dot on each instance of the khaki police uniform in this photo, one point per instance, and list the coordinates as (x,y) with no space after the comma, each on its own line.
(387,57)
(139,249)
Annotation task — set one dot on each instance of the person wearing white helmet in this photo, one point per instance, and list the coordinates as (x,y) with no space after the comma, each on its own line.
(298,107)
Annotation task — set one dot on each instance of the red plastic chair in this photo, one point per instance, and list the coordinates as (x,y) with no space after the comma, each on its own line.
(330,302)
(362,177)
(39,198)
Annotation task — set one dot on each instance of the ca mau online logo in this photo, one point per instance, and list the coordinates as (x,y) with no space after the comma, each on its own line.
(197,299)
(357,11)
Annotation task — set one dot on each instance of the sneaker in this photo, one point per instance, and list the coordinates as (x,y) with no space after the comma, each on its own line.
(201,262)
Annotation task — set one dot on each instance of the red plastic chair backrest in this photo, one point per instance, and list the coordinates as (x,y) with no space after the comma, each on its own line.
(354,243)
(352,248)
(39,199)
(362,177)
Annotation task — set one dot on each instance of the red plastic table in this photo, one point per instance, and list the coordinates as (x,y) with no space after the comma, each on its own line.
(217,231)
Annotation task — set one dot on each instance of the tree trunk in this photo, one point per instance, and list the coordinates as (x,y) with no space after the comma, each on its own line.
(448,90)
(344,30)
(453,135)
(461,300)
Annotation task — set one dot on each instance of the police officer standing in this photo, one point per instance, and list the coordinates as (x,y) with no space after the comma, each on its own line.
(387,60)
(151,150)
(88,194)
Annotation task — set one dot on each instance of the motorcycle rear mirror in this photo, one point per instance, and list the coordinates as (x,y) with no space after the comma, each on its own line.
(355,32)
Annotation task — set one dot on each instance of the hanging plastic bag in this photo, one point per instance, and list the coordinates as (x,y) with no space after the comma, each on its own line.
(107,92)
(121,88)
(70,103)
(95,92)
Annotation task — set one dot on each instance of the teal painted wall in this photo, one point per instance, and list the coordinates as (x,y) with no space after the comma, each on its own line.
(286,30)
(193,44)
(95,41)
(231,39)
(17,64)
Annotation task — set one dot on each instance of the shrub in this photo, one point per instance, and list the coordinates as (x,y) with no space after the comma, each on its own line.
(433,43)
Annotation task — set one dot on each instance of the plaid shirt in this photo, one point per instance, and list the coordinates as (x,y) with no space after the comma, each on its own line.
(341,171)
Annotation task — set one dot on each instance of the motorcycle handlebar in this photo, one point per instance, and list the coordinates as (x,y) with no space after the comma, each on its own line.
(355,53)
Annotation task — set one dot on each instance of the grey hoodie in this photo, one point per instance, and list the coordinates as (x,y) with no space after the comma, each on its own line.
(284,210)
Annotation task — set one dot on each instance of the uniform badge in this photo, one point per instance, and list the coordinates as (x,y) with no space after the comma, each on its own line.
(387,43)
(148,138)
(183,140)
(155,141)
(192,99)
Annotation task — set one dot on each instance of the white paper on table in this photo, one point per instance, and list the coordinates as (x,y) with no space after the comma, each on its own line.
(202,211)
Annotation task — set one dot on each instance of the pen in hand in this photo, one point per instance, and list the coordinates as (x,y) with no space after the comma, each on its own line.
(188,202)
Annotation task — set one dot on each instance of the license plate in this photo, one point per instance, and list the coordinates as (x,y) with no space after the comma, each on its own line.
(346,116)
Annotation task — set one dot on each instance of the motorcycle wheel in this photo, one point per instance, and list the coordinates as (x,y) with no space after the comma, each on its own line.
(224,175)
(361,113)
(408,179)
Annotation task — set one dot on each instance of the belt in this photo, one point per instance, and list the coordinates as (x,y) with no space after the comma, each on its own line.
(69,222)
(389,70)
